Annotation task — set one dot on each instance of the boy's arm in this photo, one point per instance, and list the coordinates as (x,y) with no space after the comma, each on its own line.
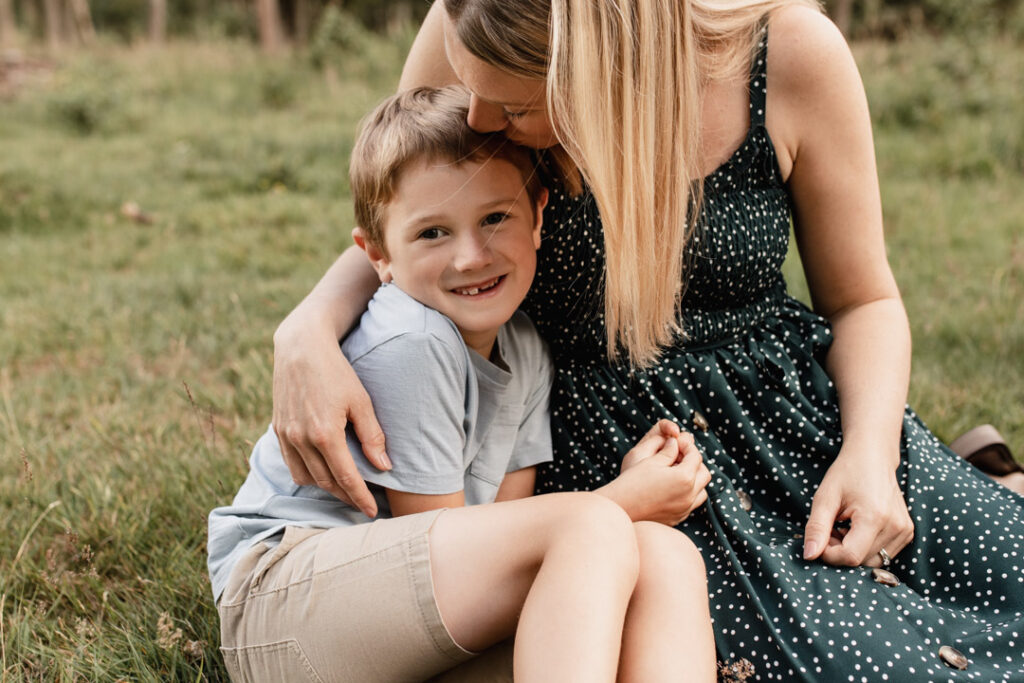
(417,380)
(518,484)
(403,503)
(514,485)
(663,477)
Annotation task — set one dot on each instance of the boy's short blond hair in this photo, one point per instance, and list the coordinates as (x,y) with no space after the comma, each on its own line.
(421,124)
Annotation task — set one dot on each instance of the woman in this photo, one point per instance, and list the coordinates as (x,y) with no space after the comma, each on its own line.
(653,309)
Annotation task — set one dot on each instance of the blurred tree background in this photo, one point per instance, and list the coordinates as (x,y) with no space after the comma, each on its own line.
(272,22)
(276,23)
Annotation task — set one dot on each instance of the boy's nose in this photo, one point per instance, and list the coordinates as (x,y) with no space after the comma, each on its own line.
(473,253)
(484,117)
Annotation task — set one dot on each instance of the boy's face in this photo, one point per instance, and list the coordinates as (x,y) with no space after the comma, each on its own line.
(462,239)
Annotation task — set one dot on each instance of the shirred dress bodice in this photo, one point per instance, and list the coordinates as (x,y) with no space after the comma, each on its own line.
(733,264)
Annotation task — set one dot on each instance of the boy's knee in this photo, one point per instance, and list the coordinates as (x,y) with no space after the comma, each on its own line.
(666,550)
(602,527)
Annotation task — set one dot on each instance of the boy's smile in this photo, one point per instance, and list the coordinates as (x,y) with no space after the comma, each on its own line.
(462,239)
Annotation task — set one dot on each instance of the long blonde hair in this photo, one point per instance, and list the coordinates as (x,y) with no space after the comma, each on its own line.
(625,80)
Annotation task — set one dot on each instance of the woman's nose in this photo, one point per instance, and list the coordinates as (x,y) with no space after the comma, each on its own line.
(484,117)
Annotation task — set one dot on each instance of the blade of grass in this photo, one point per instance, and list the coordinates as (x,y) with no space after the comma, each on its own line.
(32,530)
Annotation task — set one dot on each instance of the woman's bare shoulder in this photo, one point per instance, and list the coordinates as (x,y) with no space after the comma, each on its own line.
(812,77)
(805,44)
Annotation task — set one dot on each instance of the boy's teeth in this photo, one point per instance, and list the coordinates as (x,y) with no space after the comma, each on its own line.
(472,291)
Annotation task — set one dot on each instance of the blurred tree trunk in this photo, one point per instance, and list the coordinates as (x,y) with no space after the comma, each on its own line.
(157,21)
(303,17)
(873,16)
(54,32)
(399,16)
(31,19)
(270,25)
(7,27)
(842,14)
(81,19)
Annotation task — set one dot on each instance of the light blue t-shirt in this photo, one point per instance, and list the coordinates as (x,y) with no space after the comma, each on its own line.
(452,419)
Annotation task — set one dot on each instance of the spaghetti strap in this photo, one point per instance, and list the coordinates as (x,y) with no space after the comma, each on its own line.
(759,81)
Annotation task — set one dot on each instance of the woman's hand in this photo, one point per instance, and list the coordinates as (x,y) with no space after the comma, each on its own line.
(861,490)
(312,405)
(316,392)
(663,477)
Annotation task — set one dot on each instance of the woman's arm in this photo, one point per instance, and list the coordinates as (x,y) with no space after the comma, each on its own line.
(819,113)
(316,392)
(427,63)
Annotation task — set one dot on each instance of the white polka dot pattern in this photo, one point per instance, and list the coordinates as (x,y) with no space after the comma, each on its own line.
(752,364)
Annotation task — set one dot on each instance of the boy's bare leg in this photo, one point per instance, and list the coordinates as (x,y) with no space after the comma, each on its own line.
(668,633)
(557,570)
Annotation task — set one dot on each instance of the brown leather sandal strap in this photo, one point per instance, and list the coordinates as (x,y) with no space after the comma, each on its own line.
(985,448)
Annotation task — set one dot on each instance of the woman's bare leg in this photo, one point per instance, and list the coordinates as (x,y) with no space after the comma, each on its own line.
(557,570)
(668,633)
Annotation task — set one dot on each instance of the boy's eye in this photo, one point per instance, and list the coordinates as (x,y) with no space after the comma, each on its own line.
(510,115)
(495,218)
(429,234)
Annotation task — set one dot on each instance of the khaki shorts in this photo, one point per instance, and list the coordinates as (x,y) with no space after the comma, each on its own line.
(346,604)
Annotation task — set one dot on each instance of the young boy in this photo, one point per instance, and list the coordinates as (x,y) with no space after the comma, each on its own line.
(308,587)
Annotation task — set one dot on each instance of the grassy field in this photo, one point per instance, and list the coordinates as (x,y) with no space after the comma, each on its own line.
(135,340)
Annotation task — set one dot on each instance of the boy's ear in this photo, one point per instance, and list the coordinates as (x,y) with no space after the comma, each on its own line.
(538,215)
(378,259)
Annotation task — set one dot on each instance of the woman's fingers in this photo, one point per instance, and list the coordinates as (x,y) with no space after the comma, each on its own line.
(868,535)
(897,534)
(310,427)
(855,548)
(368,431)
(319,456)
(824,510)
(345,480)
(293,459)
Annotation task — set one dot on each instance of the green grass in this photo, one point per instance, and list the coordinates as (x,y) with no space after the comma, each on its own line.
(135,358)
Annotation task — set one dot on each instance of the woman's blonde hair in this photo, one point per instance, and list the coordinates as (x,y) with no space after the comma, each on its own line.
(624,85)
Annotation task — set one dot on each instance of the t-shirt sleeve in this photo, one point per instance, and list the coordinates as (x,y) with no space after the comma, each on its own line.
(533,440)
(417,384)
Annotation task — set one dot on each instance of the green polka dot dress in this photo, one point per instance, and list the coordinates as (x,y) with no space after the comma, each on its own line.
(752,368)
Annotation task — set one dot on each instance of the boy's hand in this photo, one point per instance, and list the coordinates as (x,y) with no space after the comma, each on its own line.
(651,442)
(663,477)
